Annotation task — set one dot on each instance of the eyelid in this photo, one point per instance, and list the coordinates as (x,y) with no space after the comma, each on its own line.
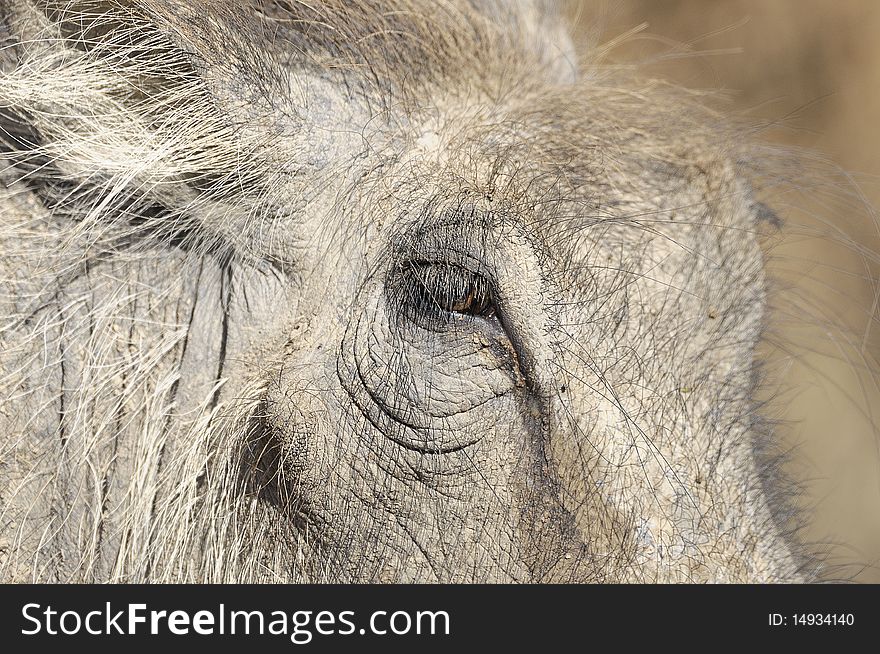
(508,256)
(451,288)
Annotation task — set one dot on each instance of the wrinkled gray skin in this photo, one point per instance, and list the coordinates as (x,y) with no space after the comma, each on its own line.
(391,291)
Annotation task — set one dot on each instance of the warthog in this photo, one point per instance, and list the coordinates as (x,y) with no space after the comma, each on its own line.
(372,291)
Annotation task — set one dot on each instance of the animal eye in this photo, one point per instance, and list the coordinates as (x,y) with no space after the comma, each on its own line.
(446,292)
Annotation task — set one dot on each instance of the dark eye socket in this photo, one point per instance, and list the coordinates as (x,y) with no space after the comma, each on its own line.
(445,291)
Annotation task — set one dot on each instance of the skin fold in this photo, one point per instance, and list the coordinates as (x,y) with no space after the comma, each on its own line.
(372,291)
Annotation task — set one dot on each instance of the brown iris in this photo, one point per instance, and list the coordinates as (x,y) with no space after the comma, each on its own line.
(474,304)
(443,288)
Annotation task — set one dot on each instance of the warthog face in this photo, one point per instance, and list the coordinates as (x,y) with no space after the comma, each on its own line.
(369,292)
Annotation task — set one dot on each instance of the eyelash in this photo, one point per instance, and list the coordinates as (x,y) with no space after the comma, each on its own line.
(442,291)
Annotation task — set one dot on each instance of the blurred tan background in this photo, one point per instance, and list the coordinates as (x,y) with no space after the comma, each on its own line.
(808,73)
